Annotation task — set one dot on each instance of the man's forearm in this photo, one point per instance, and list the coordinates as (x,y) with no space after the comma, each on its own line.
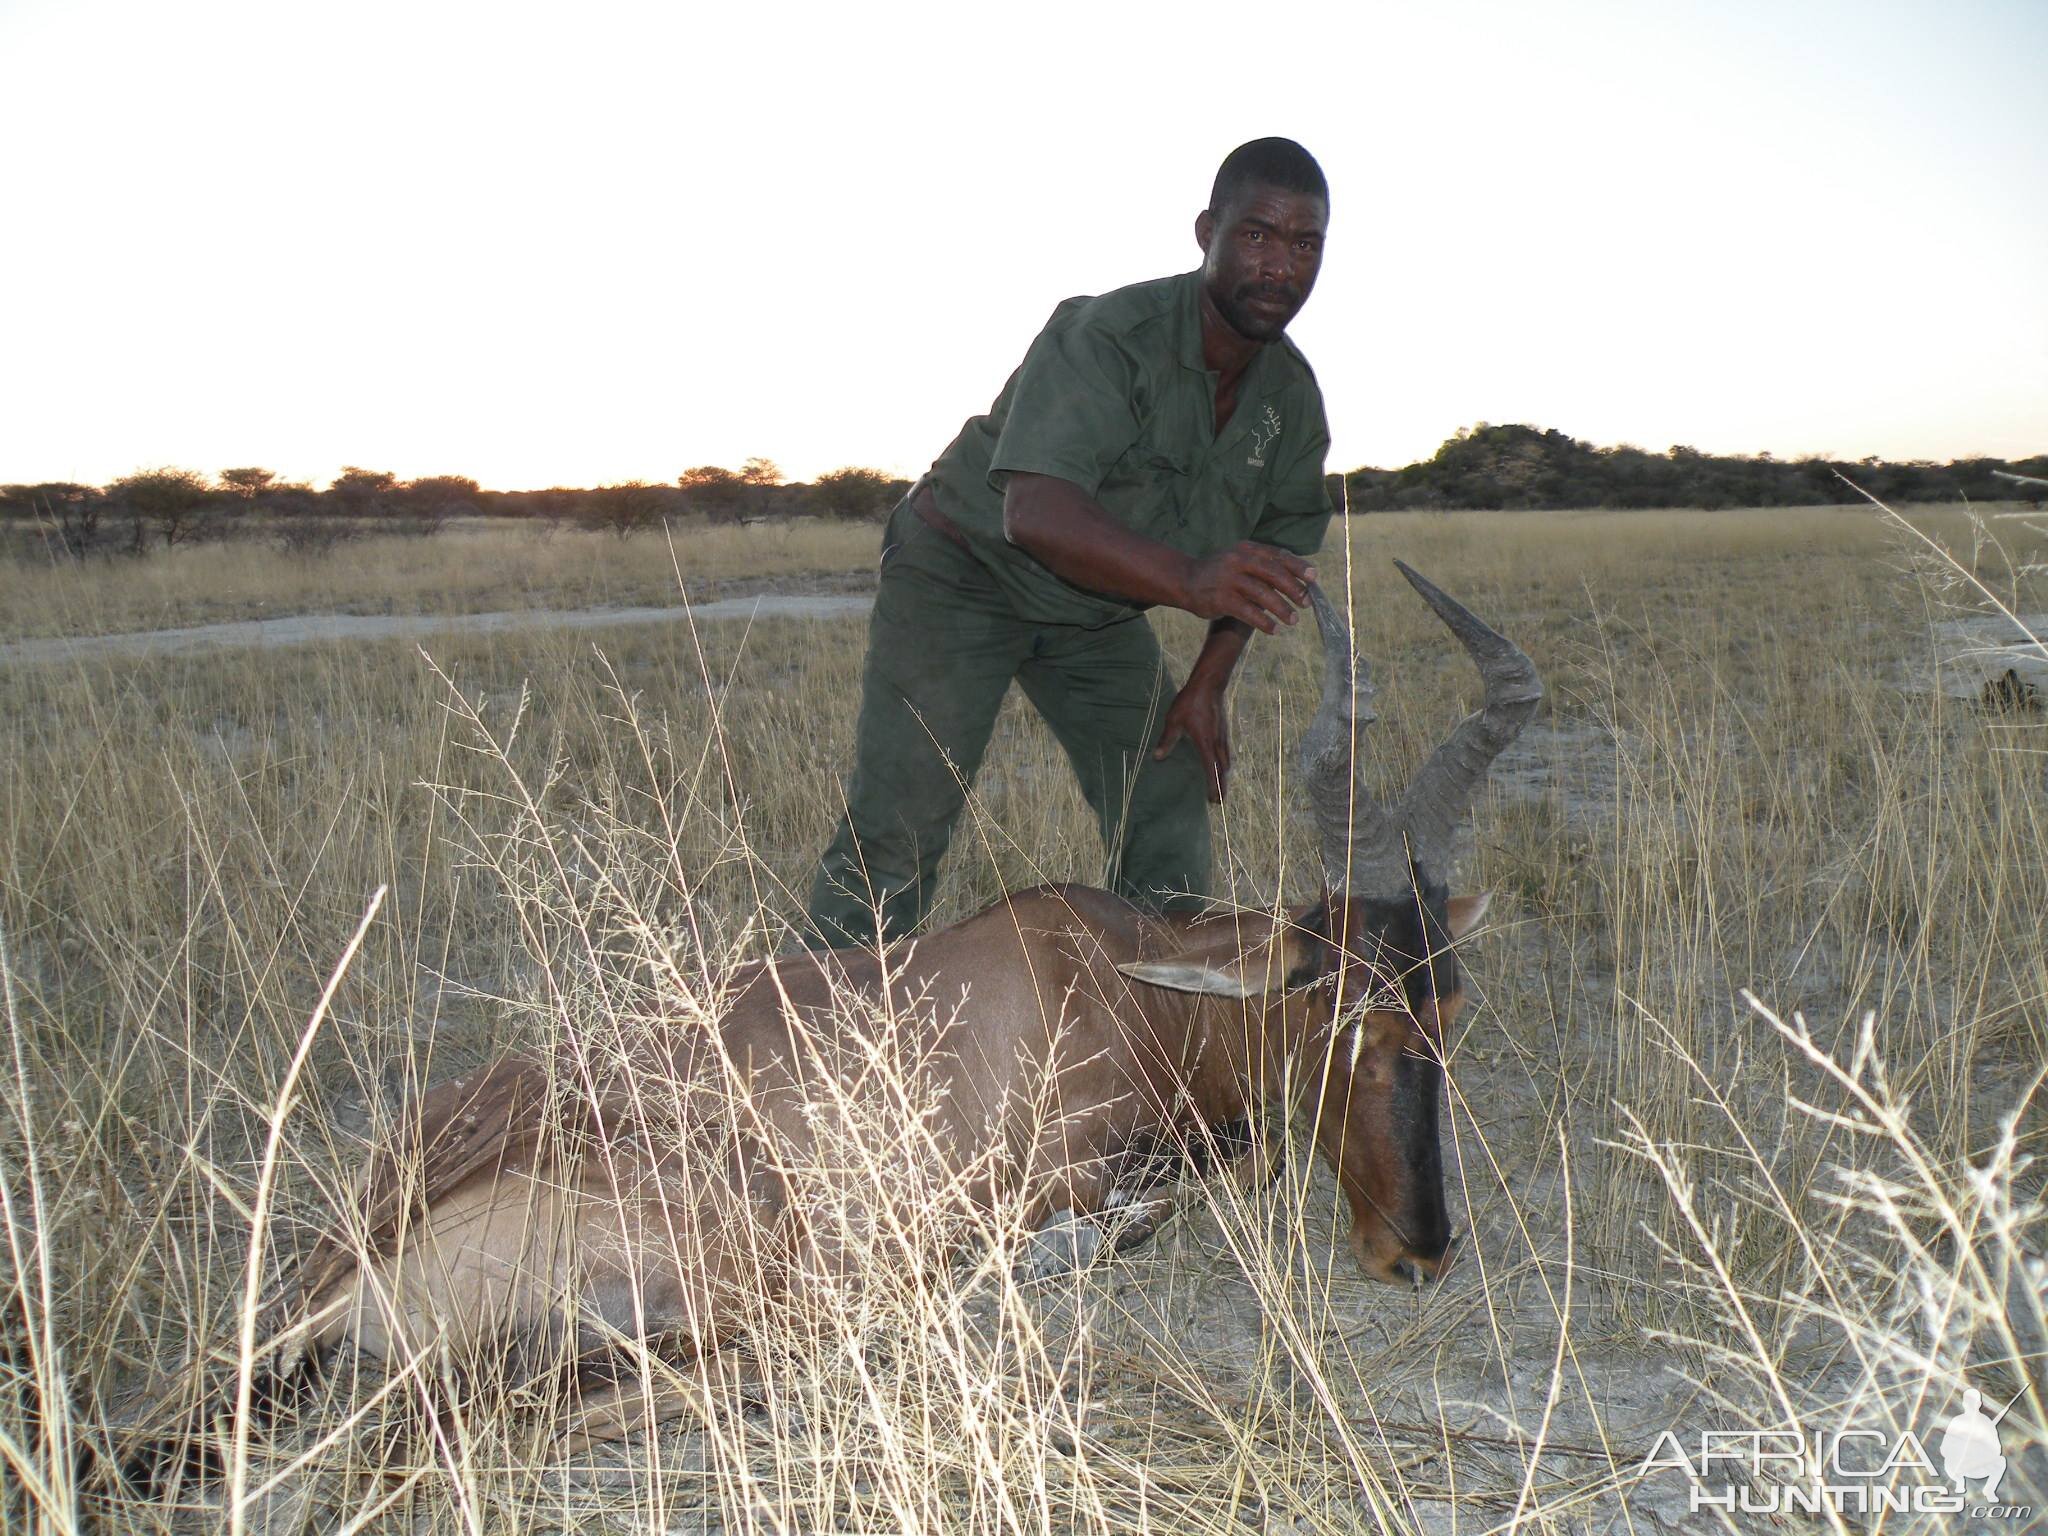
(1225,642)
(1064,530)
(1061,526)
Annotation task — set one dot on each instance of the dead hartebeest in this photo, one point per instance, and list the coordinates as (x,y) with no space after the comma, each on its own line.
(1064,1036)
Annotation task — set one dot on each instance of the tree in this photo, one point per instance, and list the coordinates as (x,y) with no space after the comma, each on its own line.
(74,508)
(625,509)
(445,495)
(362,492)
(174,502)
(431,500)
(1368,490)
(856,493)
(246,484)
(712,492)
(289,498)
(761,473)
(556,504)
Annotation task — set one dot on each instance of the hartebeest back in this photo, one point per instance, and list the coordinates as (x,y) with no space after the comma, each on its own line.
(1056,1038)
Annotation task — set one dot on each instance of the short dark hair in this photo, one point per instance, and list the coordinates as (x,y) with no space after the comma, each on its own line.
(1278,163)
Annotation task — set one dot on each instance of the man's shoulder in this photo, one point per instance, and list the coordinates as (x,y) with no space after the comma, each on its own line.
(1297,369)
(1122,311)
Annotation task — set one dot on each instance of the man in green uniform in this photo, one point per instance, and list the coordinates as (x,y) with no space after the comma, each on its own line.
(1163,443)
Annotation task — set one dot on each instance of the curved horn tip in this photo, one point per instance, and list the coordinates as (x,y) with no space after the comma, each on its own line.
(1491,645)
(1432,594)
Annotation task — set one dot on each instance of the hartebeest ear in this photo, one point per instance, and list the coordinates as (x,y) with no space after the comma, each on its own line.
(1235,965)
(1464,913)
(1193,974)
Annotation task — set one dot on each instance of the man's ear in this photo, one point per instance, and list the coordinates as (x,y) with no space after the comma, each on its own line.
(1464,913)
(1205,229)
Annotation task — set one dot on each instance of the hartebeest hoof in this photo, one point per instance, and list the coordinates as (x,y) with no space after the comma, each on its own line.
(1065,1242)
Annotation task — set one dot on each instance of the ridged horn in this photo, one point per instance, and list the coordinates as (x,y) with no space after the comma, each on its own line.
(1441,794)
(1361,845)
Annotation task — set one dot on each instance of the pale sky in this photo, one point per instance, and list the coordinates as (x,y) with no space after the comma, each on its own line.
(572,244)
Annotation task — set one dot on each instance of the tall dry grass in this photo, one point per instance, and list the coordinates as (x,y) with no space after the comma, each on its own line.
(1683,1207)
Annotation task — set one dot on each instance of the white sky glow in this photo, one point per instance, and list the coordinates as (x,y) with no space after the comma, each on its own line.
(571,245)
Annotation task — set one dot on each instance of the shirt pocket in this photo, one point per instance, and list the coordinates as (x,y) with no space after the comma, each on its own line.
(1241,490)
(1149,489)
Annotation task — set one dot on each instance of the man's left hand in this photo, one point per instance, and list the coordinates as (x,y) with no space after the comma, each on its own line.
(1197,714)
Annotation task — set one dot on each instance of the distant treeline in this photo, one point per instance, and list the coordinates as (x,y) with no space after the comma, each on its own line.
(1487,467)
(1513,468)
(162,507)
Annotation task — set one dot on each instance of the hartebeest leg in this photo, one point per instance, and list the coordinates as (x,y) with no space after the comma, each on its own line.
(624,1408)
(1255,1158)
(1062,1243)
(632,1401)
(1155,1173)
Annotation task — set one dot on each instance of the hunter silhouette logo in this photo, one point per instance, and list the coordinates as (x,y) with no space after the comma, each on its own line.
(1263,434)
(1969,1446)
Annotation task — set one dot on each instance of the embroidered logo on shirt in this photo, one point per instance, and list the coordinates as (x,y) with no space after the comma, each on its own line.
(1263,435)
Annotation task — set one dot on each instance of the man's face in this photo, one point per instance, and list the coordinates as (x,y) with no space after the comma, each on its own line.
(1259,257)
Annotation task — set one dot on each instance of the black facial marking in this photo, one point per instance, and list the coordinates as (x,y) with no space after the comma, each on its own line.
(1319,955)
(1408,940)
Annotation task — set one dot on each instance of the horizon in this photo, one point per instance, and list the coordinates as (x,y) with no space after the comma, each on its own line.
(575,257)
(285,481)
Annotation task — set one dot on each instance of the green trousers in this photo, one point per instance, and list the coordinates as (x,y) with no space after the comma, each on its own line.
(943,646)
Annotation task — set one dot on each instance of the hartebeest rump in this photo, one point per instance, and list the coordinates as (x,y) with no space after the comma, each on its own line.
(1055,1039)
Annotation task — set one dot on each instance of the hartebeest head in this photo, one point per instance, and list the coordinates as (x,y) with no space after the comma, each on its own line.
(1367,976)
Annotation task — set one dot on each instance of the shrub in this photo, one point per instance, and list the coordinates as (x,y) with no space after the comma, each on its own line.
(173,503)
(856,493)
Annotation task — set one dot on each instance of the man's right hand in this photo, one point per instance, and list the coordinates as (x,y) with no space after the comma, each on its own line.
(1255,583)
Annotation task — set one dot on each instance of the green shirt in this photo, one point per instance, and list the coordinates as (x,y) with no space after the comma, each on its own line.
(1114,396)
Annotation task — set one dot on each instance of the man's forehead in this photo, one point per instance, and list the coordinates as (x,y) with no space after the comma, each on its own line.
(1276,206)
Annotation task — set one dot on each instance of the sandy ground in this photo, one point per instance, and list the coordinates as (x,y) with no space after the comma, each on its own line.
(1976,649)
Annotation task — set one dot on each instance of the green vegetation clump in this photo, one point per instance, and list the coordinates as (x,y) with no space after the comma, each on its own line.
(1515,468)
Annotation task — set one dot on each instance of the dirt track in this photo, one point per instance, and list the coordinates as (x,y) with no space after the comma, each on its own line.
(311,628)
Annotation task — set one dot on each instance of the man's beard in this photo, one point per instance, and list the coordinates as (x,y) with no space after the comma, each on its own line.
(1257,324)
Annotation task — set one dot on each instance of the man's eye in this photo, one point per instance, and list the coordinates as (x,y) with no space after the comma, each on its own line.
(1255,235)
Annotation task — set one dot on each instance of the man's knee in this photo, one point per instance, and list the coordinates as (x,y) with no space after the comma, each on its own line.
(875,880)
(1161,856)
